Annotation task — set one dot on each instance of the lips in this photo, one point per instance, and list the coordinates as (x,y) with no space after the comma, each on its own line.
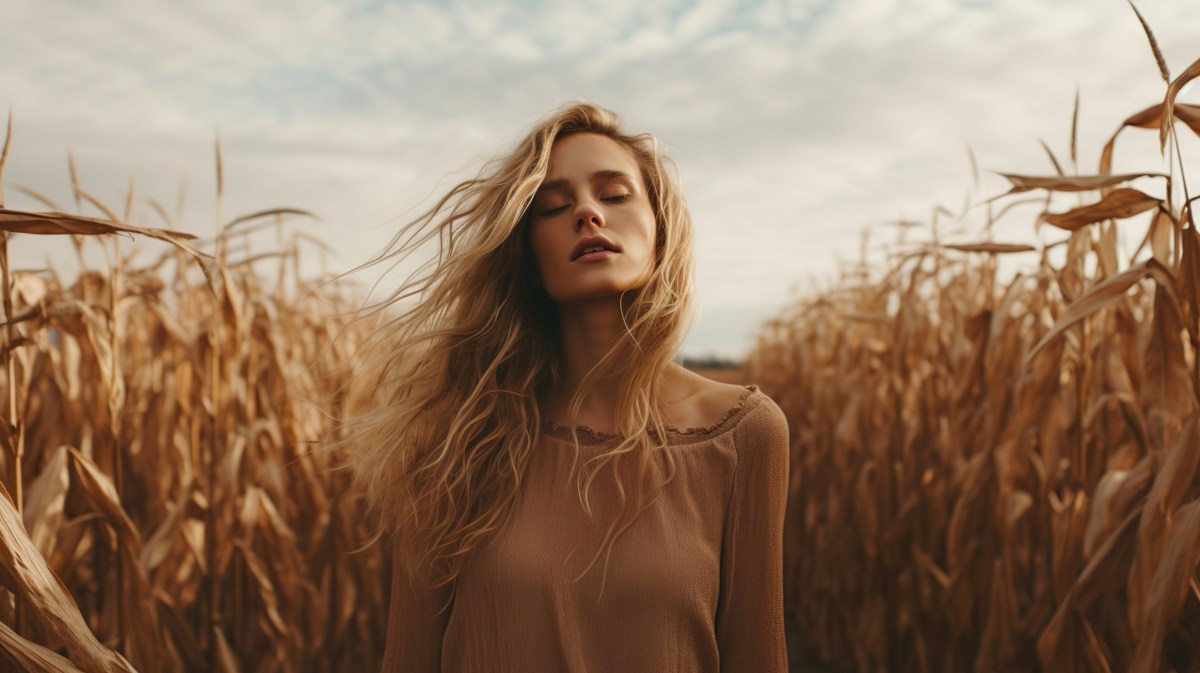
(592,242)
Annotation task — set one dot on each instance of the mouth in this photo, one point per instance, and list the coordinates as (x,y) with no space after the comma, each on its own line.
(594,247)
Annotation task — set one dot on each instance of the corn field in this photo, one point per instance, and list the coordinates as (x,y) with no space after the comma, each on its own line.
(987,475)
(163,510)
(1001,476)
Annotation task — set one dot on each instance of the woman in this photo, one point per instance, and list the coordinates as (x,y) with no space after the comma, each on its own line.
(538,342)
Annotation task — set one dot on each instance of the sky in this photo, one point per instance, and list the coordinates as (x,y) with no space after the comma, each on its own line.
(796,126)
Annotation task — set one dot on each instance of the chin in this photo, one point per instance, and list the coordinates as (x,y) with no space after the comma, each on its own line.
(597,291)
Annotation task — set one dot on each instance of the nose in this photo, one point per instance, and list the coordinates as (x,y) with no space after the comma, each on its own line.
(588,214)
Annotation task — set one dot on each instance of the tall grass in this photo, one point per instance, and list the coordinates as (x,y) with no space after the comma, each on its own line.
(1001,475)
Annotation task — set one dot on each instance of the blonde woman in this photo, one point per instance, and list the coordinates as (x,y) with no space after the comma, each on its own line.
(520,419)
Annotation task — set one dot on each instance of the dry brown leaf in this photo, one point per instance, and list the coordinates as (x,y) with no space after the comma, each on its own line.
(267,213)
(979,472)
(23,222)
(48,598)
(1083,183)
(181,632)
(1100,296)
(1095,651)
(989,246)
(44,499)
(136,595)
(62,223)
(859,316)
(1168,588)
(1016,506)
(1110,556)
(226,659)
(1116,495)
(264,587)
(1188,114)
(1118,204)
(1053,159)
(162,542)
(232,304)
(29,289)
(1171,483)
(1168,111)
(1106,249)
(1150,118)
(865,515)
(1161,234)
(193,535)
(1189,279)
(996,639)
(1168,384)
(936,572)
(33,657)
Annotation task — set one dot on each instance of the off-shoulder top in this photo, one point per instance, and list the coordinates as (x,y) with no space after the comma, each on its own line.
(695,585)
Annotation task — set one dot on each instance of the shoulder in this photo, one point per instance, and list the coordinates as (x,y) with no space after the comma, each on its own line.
(764,423)
(699,402)
(704,404)
(761,448)
(718,400)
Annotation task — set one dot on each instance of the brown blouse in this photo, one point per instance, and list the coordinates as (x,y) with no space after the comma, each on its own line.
(695,585)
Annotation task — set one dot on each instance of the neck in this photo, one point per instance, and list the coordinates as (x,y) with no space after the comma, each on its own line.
(588,330)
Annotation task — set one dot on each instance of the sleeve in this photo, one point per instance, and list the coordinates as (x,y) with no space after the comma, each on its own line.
(416,625)
(749,619)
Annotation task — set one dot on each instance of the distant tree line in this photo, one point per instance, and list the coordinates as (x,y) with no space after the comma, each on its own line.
(709,362)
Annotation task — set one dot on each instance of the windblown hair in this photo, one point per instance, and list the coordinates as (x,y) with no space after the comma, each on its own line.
(443,410)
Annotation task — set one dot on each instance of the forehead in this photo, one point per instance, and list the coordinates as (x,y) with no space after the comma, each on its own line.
(578,155)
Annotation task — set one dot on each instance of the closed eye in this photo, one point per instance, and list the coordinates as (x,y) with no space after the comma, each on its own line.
(616,198)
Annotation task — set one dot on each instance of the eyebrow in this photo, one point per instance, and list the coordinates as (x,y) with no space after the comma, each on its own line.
(603,174)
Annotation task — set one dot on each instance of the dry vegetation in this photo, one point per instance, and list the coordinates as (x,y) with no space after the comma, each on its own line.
(988,475)
(1001,476)
(161,500)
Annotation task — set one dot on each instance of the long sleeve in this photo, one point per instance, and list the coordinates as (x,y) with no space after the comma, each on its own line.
(749,619)
(415,628)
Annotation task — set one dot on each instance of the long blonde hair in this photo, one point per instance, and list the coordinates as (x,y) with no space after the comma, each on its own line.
(443,408)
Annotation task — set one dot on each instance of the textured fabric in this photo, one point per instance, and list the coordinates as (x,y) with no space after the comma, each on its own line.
(695,585)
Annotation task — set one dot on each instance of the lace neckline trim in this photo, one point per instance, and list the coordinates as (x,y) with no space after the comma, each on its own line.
(590,436)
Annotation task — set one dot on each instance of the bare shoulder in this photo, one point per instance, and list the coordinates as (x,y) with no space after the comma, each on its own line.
(701,402)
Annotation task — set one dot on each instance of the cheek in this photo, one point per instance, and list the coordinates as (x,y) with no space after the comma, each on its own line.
(650,237)
(542,245)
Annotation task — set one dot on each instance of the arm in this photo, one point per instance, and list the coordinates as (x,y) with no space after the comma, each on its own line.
(749,621)
(415,626)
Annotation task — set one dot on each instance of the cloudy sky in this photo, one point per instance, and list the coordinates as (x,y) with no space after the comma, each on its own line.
(796,125)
